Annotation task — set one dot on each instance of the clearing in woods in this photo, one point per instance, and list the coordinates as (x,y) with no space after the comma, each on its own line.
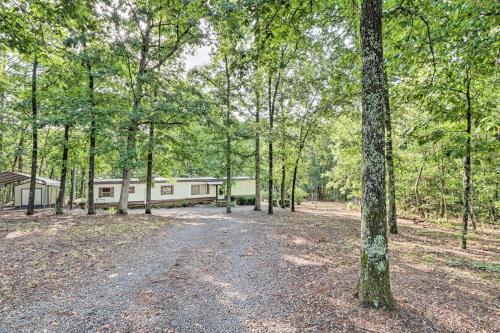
(198,269)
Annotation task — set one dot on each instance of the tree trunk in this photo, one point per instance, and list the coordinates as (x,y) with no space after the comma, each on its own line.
(282,187)
(472,214)
(81,190)
(257,150)
(92,134)
(228,137)
(34,152)
(467,164)
(129,157)
(442,190)
(126,172)
(294,183)
(418,201)
(493,209)
(149,175)
(271,105)
(391,181)
(374,285)
(73,188)
(64,171)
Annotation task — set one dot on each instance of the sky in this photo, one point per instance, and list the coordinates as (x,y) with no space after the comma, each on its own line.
(200,57)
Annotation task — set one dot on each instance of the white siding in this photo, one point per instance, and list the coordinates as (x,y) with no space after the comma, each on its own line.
(49,193)
(243,187)
(182,190)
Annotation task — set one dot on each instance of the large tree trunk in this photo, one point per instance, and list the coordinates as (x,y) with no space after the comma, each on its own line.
(64,171)
(418,200)
(149,172)
(374,285)
(442,190)
(34,152)
(126,171)
(467,164)
(257,150)
(391,181)
(229,179)
(282,186)
(129,157)
(92,135)
(294,184)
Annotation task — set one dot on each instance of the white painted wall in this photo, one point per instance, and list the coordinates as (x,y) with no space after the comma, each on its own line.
(243,187)
(182,190)
(48,193)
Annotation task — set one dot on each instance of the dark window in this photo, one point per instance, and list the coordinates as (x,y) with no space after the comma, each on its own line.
(131,189)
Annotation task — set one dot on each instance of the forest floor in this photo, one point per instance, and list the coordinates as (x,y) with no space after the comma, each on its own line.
(197,269)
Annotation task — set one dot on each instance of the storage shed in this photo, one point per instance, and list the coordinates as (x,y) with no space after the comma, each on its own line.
(46,190)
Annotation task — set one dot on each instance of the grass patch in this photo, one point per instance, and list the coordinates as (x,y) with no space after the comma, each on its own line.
(474,264)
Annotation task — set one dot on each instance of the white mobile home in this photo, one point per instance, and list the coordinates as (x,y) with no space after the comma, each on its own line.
(196,190)
(46,190)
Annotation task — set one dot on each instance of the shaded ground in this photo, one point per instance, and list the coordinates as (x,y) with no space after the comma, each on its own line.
(200,270)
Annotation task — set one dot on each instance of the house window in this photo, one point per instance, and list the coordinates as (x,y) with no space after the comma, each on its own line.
(131,189)
(199,189)
(106,192)
(167,189)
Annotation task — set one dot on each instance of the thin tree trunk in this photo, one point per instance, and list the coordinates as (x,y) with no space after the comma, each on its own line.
(257,150)
(92,134)
(493,209)
(294,183)
(81,190)
(64,171)
(374,284)
(442,189)
(391,181)
(467,164)
(34,152)
(282,186)
(418,201)
(472,214)
(18,159)
(271,106)
(149,175)
(73,188)
(229,179)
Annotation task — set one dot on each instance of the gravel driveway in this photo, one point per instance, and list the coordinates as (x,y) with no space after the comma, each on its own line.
(209,272)
(198,269)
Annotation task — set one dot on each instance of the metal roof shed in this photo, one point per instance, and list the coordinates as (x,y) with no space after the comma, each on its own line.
(46,189)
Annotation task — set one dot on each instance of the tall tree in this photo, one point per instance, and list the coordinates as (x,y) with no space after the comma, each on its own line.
(34,135)
(374,285)
(64,171)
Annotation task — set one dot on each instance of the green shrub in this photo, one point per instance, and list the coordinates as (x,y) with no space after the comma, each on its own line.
(246,200)
(112,210)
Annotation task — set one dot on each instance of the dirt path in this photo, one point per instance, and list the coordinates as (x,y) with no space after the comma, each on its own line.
(201,270)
